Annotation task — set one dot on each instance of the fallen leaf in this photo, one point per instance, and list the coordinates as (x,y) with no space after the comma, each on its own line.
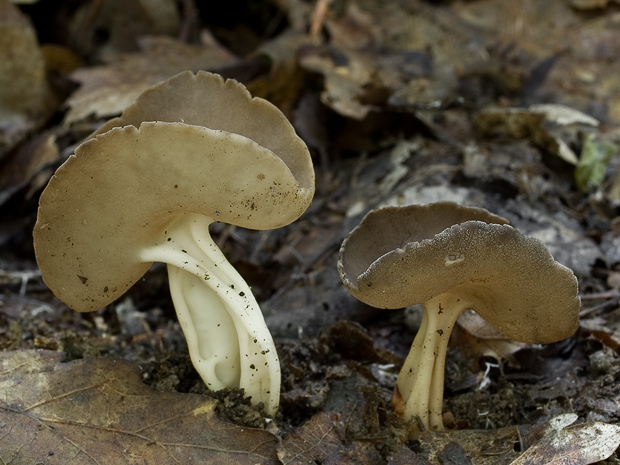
(585,73)
(572,445)
(283,82)
(24,167)
(101,28)
(538,27)
(563,115)
(476,336)
(537,123)
(353,342)
(361,70)
(319,441)
(97,411)
(26,99)
(606,332)
(588,4)
(480,447)
(107,90)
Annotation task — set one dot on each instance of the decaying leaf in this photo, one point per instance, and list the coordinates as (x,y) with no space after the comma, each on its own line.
(563,115)
(479,337)
(537,27)
(553,443)
(316,440)
(97,411)
(361,70)
(284,80)
(588,4)
(545,125)
(585,74)
(100,28)
(480,447)
(25,167)
(108,89)
(580,444)
(321,440)
(606,332)
(26,99)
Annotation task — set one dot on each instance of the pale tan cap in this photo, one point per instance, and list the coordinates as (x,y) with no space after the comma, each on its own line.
(121,189)
(205,99)
(401,256)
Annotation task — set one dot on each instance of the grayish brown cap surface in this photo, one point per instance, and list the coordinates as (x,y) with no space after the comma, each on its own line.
(401,256)
(120,190)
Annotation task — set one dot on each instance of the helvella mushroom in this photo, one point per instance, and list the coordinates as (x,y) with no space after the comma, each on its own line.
(451,258)
(144,188)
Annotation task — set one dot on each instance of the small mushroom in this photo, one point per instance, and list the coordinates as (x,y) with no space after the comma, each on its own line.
(145,189)
(451,258)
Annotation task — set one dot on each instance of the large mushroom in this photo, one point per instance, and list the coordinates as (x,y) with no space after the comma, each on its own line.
(192,150)
(451,258)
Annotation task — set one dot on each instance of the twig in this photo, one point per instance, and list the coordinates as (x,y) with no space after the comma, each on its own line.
(318,17)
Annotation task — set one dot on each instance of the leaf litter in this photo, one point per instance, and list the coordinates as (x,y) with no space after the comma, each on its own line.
(511,109)
(97,410)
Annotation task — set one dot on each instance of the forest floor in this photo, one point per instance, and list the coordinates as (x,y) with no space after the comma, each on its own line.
(515,109)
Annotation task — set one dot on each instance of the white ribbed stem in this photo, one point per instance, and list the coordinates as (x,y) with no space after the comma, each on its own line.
(228,340)
(420,381)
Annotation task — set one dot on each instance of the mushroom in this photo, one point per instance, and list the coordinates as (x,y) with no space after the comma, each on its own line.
(145,189)
(451,258)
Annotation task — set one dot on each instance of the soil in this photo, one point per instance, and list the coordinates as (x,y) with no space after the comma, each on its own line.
(338,355)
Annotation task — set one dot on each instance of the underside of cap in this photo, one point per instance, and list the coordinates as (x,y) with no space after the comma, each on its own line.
(207,100)
(517,285)
(121,189)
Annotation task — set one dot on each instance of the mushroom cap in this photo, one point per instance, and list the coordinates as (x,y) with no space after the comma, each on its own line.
(123,187)
(205,99)
(401,256)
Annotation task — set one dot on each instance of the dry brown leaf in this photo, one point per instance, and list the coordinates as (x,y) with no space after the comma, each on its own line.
(567,59)
(344,64)
(342,87)
(108,89)
(605,331)
(588,4)
(100,28)
(284,81)
(320,441)
(360,70)
(97,411)
(26,100)
(480,447)
(572,445)
(584,74)
(316,440)
(26,165)
(416,25)
(537,27)
(477,336)
(538,123)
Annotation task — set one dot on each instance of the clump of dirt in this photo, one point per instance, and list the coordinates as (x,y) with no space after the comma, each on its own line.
(235,407)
